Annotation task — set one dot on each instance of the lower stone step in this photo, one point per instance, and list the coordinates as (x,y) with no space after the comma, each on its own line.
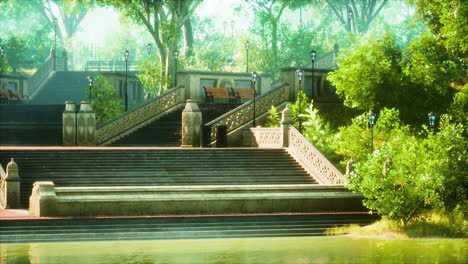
(183,227)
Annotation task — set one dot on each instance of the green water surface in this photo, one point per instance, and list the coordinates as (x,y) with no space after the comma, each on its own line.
(243,250)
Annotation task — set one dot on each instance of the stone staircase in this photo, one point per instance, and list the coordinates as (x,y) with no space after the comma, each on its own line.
(166,131)
(154,167)
(61,87)
(181,227)
(31,125)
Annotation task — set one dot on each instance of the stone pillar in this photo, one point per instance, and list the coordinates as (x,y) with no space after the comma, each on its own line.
(191,124)
(43,200)
(86,125)
(285,124)
(13,182)
(69,124)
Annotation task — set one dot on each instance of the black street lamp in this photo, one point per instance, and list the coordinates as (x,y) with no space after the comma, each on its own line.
(90,84)
(254,81)
(126,53)
(2,54)
(350,18)
(312,58)
(247,47)
(371,122)
(176,56)
(148,48)
(432,120)
(299,74)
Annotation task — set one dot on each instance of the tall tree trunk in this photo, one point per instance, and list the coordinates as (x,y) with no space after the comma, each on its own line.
(188,38)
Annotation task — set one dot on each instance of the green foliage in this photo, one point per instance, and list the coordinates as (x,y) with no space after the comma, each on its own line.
(369,74)
(318,132)
(376,73)
(105,103)
(299,108)
(458,110)
(406,176)
(449,149)
(274,117)
(152,77)
(447,19)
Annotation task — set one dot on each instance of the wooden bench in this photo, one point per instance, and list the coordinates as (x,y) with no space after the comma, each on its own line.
(221,93)
(10,96)
(244,93)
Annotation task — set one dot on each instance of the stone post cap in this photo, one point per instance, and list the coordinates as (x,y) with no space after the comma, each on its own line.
(12,170)
(86,107)
(70,106)
(287,116)
(191,106)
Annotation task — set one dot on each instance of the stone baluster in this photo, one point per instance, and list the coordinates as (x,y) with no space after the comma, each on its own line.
(191,124)
(13,182)
(86,125)
(285,124)
(69,124)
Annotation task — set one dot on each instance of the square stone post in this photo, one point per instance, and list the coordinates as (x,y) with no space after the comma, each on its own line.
(13,183)
(191,124)
(69,124)
(86,125)
(43,200)
(285,124)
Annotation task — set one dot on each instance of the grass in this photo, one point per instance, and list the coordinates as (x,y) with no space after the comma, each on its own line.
(431,225)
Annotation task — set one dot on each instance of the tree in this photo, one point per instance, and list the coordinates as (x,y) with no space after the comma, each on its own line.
(162,19)
(356,15)
(269,13)
(104,101)
(447,19)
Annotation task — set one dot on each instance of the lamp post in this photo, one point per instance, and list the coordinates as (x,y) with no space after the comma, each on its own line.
(372,118)
(148,48)
(2,54)
(55,35)
(432,121)
(312,58)
(90,84)
(299,74)
(254,81)
(126,53)
(350,18)
(247,47)
(176,56)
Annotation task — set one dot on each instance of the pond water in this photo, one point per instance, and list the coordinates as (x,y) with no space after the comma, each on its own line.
(244,250)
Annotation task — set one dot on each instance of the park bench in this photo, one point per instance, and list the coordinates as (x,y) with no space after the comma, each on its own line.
(244,93)
(10,96)
(219,93)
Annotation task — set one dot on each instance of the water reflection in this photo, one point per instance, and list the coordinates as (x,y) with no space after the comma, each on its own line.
(247,250)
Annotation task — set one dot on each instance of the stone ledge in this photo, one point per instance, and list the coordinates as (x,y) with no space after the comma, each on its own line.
(48,200)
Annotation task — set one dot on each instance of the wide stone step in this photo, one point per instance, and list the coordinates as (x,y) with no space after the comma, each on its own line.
(175,227)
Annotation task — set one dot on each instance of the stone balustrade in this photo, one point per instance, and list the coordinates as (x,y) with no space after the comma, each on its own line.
(10,186)
(48,200)
(300,148)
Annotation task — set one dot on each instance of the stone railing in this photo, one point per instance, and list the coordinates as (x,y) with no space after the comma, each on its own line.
(9,186)
(267,137)
(286,136)
(3,186)
(242,115)
(312,159)
(141,116)
(52,63)
(47,200)
(111,66)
